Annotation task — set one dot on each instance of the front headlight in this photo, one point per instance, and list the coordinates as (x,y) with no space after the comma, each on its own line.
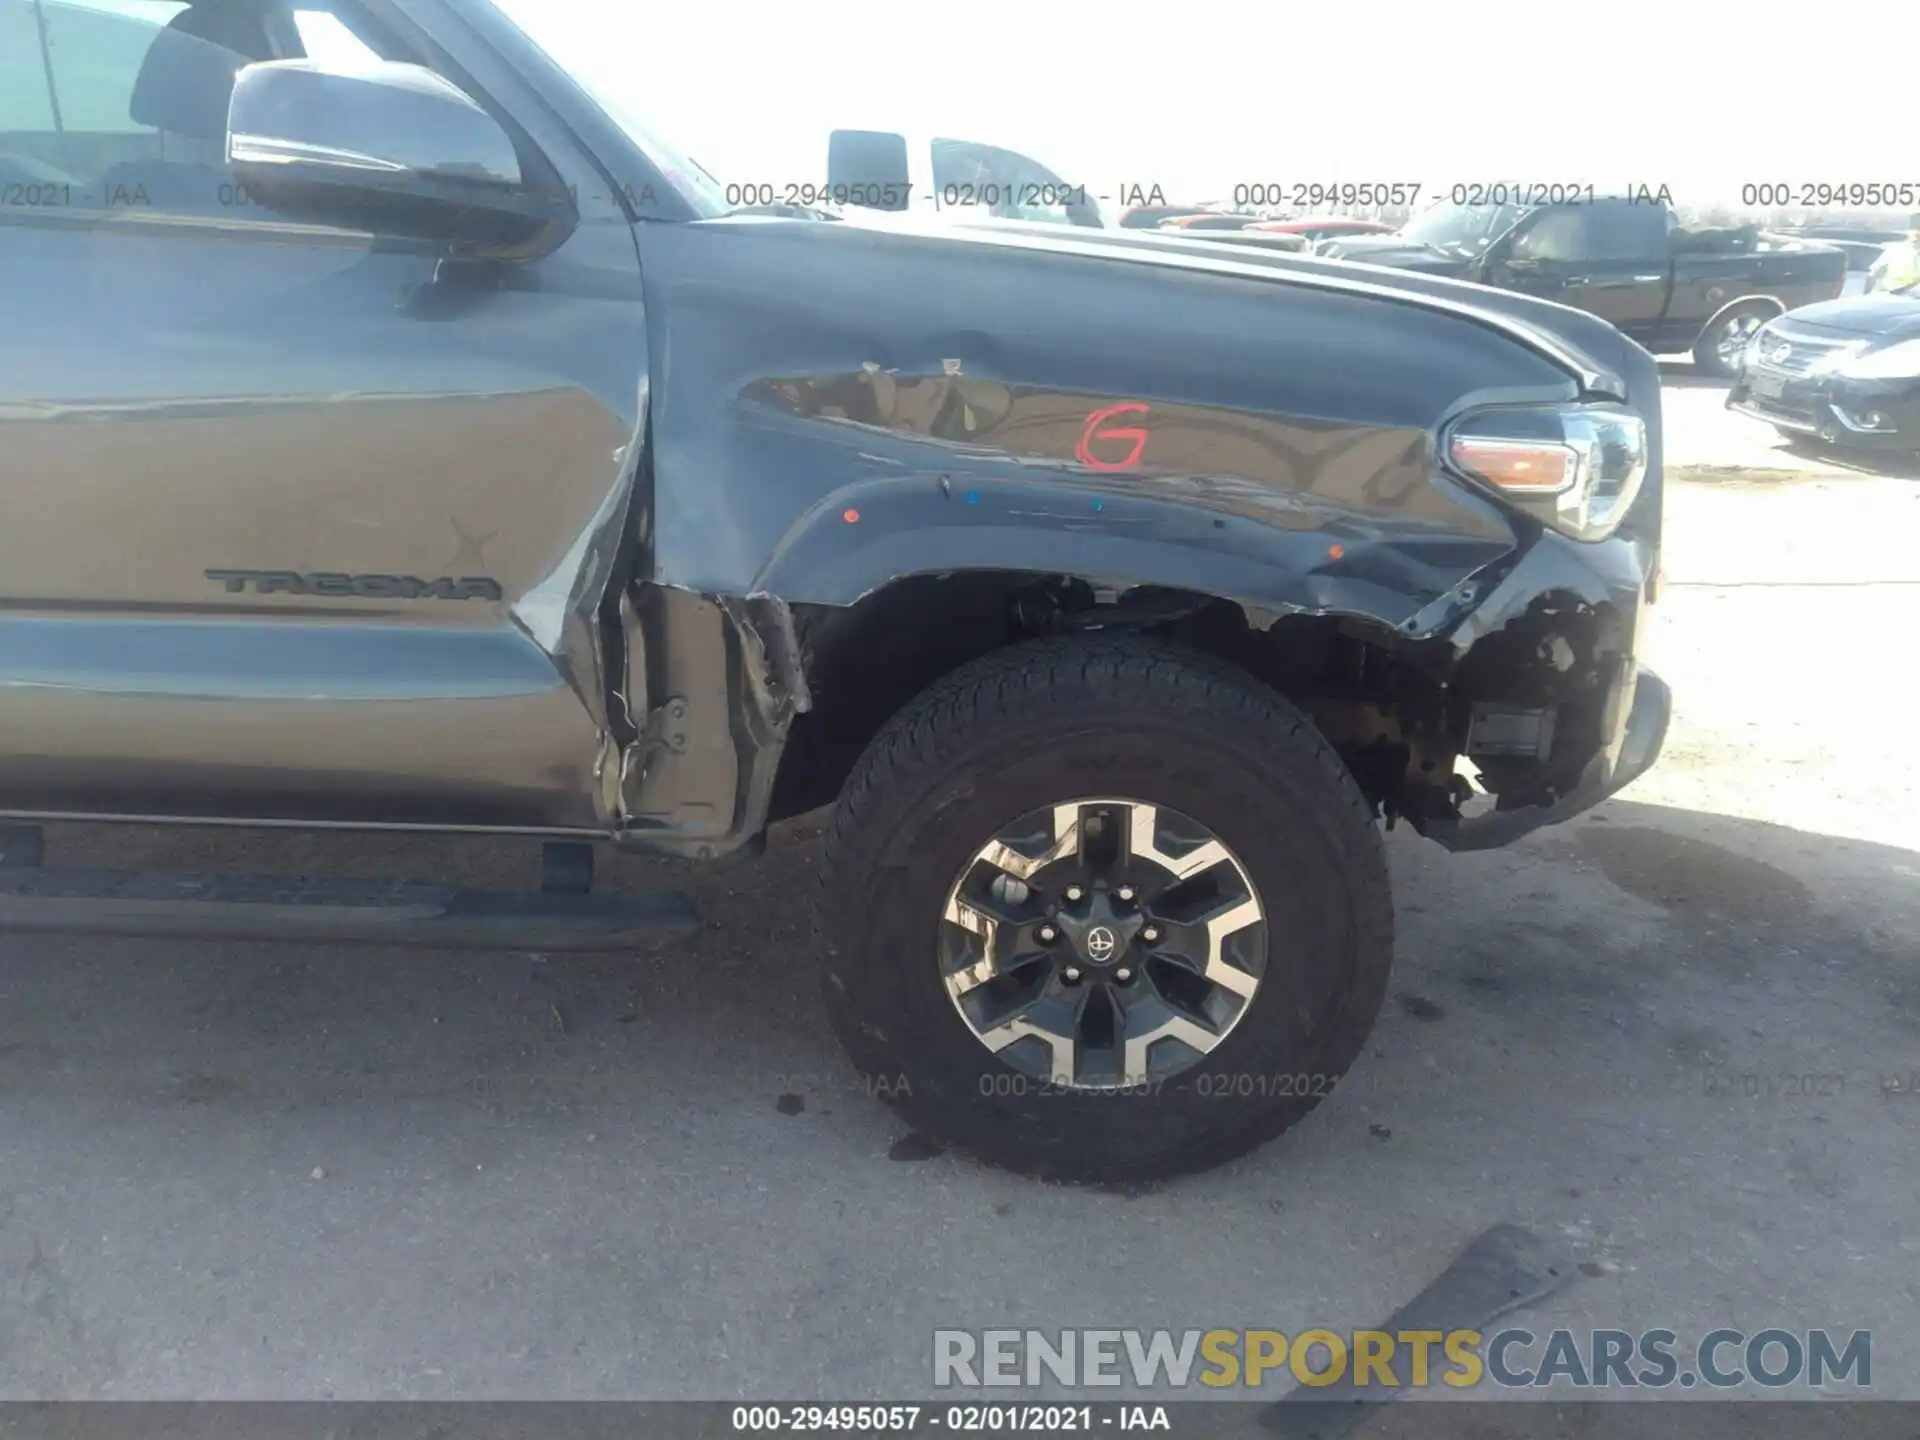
(1896,362)
(1575,467)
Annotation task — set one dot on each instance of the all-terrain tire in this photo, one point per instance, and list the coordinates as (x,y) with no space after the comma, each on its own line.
(1045,723)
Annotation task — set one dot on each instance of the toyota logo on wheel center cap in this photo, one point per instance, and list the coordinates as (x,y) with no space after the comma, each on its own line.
(1102,944)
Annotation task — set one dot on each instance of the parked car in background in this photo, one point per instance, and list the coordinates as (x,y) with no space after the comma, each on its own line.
(1861,244)
(1846,372)
(1625,259)
(1246,237)
(1148,217)
(1315,228)
(1209,220)
(1232,228)
(1860,254)
(952,180)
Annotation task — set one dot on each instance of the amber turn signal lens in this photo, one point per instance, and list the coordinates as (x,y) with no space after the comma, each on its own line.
(1576,467)
(1532,467)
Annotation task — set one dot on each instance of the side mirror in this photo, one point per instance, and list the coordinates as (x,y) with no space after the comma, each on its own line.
(871,165)
(394,147)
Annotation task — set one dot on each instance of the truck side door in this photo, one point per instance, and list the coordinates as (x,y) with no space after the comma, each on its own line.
(300,522)
(1608,257)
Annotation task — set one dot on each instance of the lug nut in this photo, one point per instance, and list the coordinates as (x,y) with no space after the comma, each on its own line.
(1150,934)
(1010,891)
(1123,975)
(1048,933)
(1074,892)
(1071,975)
(1125,892)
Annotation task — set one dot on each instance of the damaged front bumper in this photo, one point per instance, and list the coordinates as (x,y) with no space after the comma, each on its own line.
(1559,714)
(1646,705)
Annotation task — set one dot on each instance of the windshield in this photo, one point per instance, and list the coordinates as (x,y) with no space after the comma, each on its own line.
(556,31)
(1467,229)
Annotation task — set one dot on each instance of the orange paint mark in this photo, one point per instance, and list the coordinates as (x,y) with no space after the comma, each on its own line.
(852,517)
(1091,431)
(1334,552)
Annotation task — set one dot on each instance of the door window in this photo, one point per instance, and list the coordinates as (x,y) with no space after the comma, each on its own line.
(72,106)
(26,101)
(1625,230)
(1560,234)
(121,105)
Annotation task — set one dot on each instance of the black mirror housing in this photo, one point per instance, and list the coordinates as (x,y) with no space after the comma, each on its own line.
(394,147)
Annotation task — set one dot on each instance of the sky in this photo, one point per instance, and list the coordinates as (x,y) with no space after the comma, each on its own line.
(1203,95)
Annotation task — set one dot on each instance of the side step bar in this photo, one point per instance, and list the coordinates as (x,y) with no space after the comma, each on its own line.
(326,910)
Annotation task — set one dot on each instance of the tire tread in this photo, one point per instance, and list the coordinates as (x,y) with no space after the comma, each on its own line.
(1231,705)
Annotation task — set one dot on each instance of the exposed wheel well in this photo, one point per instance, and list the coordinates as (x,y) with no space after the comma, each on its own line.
(1376,696)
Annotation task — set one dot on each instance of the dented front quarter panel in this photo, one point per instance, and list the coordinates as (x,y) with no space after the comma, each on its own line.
(841,406)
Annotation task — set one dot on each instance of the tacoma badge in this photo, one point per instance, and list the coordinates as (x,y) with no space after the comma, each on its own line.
(364,587)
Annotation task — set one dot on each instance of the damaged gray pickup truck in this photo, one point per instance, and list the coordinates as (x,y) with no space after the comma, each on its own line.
(418,443)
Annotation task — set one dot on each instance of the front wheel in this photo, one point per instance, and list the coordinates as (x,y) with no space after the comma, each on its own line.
(1103,911)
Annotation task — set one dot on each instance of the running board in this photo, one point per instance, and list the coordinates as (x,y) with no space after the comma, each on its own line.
(314,909)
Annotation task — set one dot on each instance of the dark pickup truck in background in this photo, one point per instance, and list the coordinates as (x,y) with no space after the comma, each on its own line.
(1625,259)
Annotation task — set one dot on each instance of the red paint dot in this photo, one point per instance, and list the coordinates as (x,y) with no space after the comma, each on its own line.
(852,517)
(1336,551)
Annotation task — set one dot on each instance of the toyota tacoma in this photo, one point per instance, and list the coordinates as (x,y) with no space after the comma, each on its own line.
(409,439)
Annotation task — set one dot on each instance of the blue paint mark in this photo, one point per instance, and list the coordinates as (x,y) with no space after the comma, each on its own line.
(972,497)
(1098,506)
